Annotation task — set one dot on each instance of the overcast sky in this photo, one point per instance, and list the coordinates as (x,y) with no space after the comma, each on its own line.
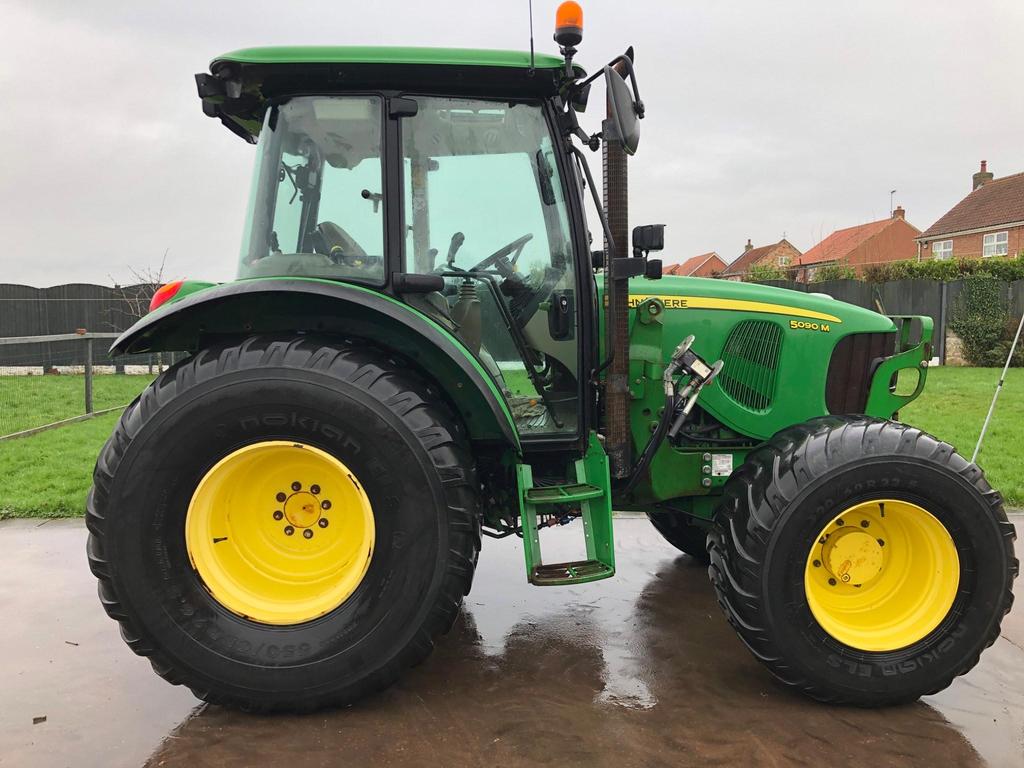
(763,118)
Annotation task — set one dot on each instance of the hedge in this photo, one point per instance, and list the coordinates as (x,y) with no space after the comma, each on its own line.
(947,270)
(981,318)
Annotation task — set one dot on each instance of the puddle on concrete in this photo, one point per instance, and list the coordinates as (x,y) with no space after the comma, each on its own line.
(62,659)
(638,670)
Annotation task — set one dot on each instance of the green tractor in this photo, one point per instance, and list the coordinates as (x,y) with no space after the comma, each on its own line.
(422,349)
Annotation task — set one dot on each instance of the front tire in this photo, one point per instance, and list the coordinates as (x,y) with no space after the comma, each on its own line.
(682,533)
(219,551)
(862,561)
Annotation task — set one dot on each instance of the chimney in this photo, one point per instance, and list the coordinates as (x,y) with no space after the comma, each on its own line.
(749,246)
(899,213)
(982,177)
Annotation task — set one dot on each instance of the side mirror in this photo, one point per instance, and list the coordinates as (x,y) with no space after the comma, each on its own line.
(623,110)
(650,237)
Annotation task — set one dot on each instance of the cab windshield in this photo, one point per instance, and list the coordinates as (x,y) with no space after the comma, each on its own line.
(315,208)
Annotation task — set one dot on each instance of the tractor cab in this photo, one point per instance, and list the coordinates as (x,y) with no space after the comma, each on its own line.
(446,179)
(455,205)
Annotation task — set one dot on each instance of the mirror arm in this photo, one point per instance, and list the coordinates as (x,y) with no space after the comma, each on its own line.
(582,160)
(571,127)
(627,60)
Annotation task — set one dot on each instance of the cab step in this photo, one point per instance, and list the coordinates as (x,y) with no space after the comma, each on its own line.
(591,493)
(577,572)
(559,494)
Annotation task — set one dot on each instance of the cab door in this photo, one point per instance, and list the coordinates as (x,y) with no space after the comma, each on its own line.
(484,207)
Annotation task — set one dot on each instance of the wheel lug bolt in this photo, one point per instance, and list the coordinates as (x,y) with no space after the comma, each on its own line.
(281,497)
(308,533)
(864,523)
(322,522)
(831,582)
(881,542)
(325,504)
(288,530)
(278,514)
(821,540)
(314,489)
(839,522)
(296,486)
(817,563)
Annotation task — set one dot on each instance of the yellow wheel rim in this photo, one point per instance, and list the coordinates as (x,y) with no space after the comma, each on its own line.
(280,532)
(882,575)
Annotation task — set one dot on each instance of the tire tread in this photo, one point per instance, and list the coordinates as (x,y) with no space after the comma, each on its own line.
(410,397)
(772,477)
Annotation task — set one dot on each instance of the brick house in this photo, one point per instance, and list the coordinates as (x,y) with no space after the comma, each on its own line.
(781,254)
(891,239)
(988,222)
(705,265)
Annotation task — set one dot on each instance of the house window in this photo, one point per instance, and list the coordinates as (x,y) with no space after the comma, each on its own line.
(783,261)
(942,249)
(995,244)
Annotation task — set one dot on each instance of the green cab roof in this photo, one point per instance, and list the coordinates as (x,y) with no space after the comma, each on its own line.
(328,54)
(241,83)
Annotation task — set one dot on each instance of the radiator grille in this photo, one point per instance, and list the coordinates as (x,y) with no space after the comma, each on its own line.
(751,358)
(853,363)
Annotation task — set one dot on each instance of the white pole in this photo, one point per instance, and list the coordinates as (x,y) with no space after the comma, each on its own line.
(999,388)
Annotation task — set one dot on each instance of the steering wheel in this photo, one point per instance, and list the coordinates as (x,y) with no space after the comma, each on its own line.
(339,246)
(499,259)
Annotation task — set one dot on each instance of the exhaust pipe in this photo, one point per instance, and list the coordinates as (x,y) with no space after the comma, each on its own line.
(618,441)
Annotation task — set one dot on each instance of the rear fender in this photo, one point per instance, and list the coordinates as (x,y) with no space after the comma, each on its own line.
(305,306)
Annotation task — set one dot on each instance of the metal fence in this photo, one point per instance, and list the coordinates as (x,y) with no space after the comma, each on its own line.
(933,298)
(50,374)
(56,379)
(27,311)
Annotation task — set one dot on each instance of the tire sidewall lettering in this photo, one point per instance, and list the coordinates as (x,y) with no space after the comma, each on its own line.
(397,584)
(960,509)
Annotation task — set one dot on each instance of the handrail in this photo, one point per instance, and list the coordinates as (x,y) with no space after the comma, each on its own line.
(4,340)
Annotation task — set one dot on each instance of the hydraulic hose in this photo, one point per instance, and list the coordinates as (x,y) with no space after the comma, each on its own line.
(672,397)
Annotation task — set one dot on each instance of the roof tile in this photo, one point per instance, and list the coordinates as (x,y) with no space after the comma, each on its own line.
(842,242)
(689,266)
(748,259)
(1000,201)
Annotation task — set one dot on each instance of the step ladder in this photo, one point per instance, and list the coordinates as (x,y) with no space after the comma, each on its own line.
(591,493)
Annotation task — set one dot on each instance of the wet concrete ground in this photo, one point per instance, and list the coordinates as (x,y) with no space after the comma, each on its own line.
(640,670)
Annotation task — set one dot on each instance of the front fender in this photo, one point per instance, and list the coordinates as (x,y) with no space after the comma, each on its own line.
(913,351)
(306,305)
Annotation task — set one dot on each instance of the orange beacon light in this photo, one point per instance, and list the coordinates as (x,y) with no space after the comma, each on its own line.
(569,24)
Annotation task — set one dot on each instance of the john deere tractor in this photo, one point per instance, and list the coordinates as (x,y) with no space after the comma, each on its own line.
(422,348)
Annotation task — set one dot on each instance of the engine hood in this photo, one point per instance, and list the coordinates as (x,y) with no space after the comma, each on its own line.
(699,293)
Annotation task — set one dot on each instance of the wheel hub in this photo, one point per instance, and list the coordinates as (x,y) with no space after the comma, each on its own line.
(280,532)
(852,556)
(881,575)
(302,509)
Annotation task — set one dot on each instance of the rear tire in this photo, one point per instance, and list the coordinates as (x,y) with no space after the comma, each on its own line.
(349,402)
(682,533)
(775,511)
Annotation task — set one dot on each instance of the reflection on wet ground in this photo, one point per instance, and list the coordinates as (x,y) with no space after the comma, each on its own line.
(637,670)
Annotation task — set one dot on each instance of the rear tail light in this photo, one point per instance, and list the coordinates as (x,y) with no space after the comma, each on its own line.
(164,294)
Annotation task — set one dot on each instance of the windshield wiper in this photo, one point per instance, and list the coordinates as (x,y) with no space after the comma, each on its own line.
(544,174)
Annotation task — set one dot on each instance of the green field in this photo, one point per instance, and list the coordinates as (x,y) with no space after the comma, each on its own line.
(48,474)
(32,401)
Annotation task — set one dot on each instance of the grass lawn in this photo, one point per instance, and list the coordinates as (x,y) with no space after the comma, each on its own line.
(953,407)
(49,474)
(32,401)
